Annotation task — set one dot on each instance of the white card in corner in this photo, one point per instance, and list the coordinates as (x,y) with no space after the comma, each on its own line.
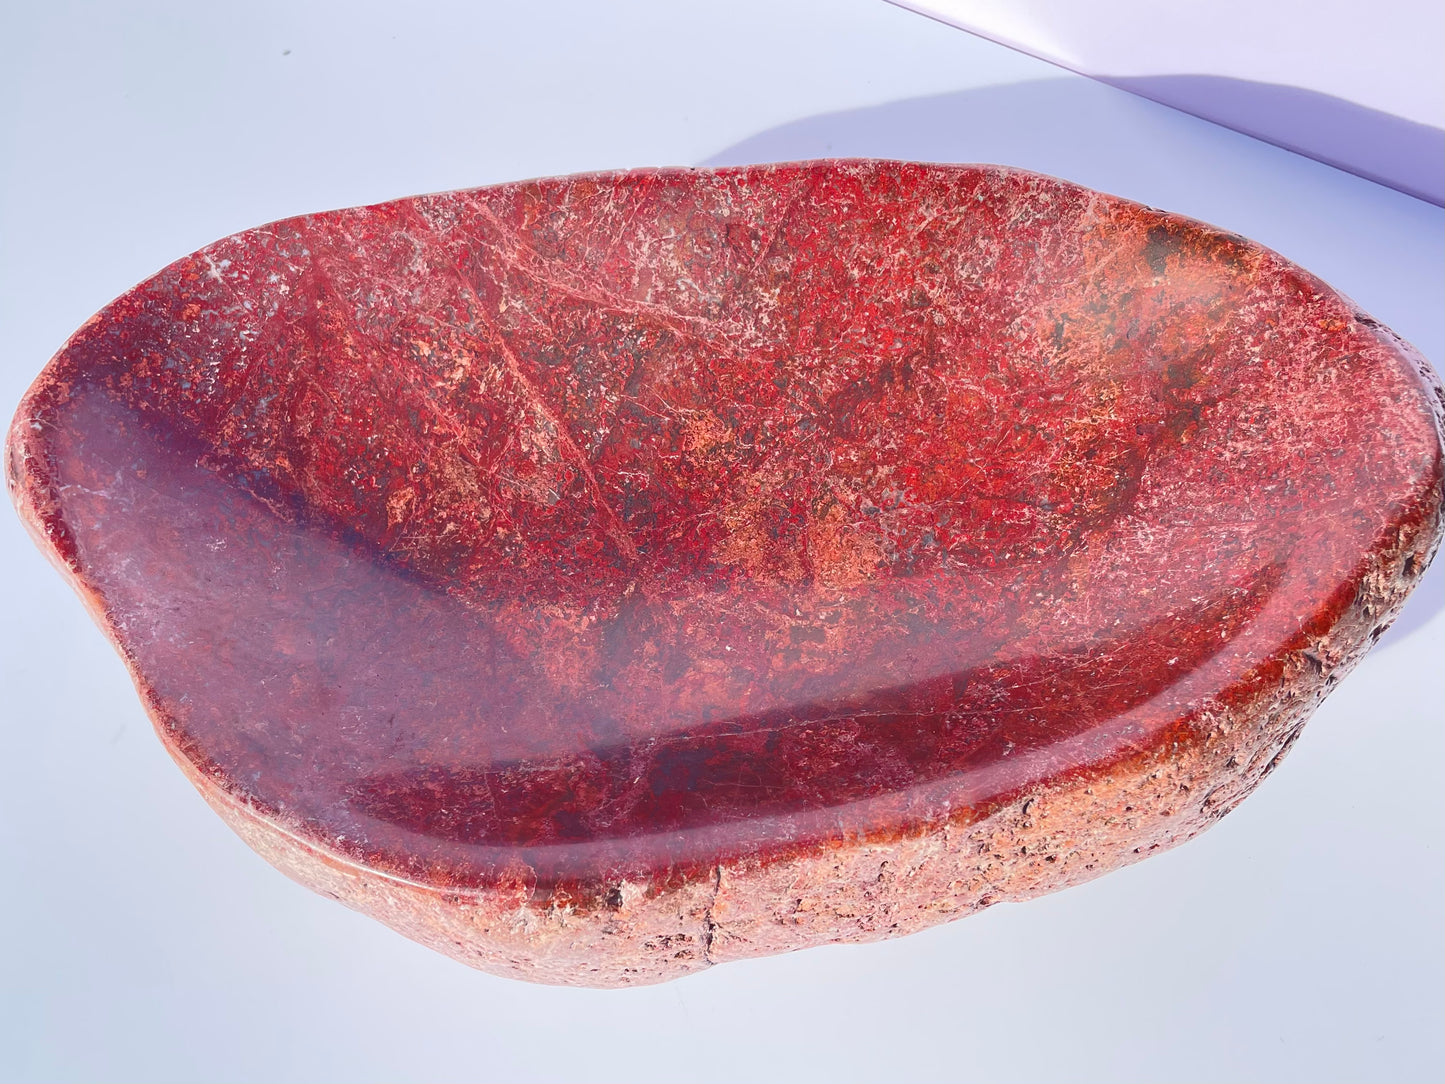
(1356,84)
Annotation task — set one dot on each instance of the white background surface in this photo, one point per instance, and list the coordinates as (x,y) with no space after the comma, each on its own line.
(1301,939)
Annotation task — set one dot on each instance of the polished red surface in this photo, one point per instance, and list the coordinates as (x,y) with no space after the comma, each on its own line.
(619,525)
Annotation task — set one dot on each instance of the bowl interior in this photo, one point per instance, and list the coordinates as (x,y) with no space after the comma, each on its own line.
(620,522)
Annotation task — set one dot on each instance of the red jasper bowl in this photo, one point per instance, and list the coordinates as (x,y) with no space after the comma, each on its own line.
(601,577)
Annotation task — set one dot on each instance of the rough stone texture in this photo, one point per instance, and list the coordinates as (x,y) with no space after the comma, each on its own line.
(602,577)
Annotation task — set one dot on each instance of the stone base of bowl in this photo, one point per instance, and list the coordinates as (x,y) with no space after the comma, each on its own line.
(856,890)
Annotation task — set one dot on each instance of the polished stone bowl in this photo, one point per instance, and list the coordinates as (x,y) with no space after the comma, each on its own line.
(601,577)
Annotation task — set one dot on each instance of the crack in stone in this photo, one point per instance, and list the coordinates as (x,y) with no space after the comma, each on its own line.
(612,524)
(523,257)
(709,926)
